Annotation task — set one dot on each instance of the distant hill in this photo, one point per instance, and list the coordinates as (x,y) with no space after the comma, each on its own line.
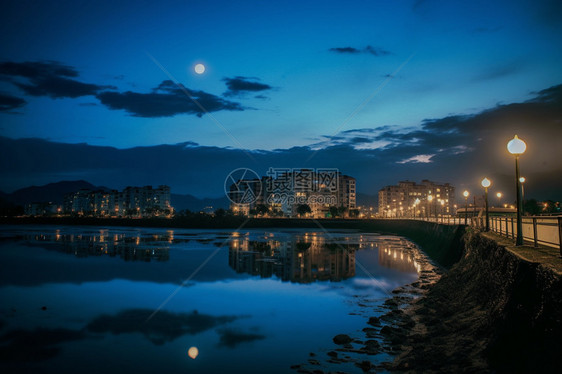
(54,192)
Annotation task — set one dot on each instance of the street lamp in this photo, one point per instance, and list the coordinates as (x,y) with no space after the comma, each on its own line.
(517,147)
(486,183)
(429,199)
(499,195)
(522,181)
(465,194)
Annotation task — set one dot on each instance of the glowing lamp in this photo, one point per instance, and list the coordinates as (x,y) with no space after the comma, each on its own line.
(516,146)
(465,193)
(522,180)
(486,183)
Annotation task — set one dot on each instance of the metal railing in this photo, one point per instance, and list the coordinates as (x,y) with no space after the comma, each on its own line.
(544,230)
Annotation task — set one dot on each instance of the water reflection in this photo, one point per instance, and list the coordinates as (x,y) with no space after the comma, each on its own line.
(129,248)
(304,259)
(397,254)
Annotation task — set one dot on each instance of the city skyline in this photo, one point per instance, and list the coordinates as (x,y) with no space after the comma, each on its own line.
(413,90)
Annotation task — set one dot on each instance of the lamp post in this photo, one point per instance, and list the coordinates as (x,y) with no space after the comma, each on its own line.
(465,194)
(522,181)
(416,202)
(517,147)
(486,183)
(429,199)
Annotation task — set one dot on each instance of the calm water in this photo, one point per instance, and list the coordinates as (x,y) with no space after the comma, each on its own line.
(113,300)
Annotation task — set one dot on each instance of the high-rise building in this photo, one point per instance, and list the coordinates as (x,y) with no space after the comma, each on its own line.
(408,199)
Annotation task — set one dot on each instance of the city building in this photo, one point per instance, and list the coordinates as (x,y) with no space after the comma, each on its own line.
(131,202)
(408,199)
(283,191)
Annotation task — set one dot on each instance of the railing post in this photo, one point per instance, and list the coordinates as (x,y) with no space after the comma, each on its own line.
(560,234)
(512,229)
(535,232)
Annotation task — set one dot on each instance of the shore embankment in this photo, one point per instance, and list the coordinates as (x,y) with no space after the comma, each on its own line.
(499,309)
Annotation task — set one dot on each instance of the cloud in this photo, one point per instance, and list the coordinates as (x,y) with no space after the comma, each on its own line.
(232,338)
(240,85)
(161,328)
(422,159)
(350,50)
(48,78)
(8,102)
(167,100)
(498,72)
(463,147)
(375,51)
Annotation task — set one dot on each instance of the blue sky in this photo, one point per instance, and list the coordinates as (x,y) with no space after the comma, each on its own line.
(279,74)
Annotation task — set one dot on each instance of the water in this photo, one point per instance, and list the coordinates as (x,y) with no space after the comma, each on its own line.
(113,300)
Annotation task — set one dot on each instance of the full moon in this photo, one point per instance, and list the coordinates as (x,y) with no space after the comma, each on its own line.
(193,352)
(199,68)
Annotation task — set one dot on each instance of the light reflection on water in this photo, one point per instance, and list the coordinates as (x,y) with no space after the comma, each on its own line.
(265,301)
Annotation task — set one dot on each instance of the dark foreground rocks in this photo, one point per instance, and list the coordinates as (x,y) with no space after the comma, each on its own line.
(493,312)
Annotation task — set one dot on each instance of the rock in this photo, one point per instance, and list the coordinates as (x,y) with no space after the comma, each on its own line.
(364,365)
(386,330)
(313,362)
(333,354)
(374,321)
(372,344)
(342,339)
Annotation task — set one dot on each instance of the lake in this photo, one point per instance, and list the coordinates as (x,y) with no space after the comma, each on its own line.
(119,299)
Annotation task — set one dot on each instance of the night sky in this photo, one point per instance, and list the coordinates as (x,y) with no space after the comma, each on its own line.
(383,90)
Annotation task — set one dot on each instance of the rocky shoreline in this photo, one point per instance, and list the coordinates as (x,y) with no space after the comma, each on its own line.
(494,311)
(385,334)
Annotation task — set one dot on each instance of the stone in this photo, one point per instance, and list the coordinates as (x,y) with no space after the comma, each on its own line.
(342,339)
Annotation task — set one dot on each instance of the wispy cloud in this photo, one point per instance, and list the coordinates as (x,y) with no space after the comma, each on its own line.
(242,85)
(48,78)
(8,102)
(375,51)
(166,100)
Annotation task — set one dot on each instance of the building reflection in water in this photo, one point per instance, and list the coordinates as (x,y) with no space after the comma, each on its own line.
(397,254)
(302,259)
(125,246)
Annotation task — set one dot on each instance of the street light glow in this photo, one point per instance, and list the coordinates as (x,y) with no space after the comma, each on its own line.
(486,183)
(499,195)
(522,180)
(465,193)
(516,146)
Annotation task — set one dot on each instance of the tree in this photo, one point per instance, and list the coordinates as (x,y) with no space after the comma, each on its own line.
(261,209)
(303,209)
(531,207)
(219,213)
(354,212)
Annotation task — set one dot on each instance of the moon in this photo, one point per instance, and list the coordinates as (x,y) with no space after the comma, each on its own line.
(199,68)
(193,352)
